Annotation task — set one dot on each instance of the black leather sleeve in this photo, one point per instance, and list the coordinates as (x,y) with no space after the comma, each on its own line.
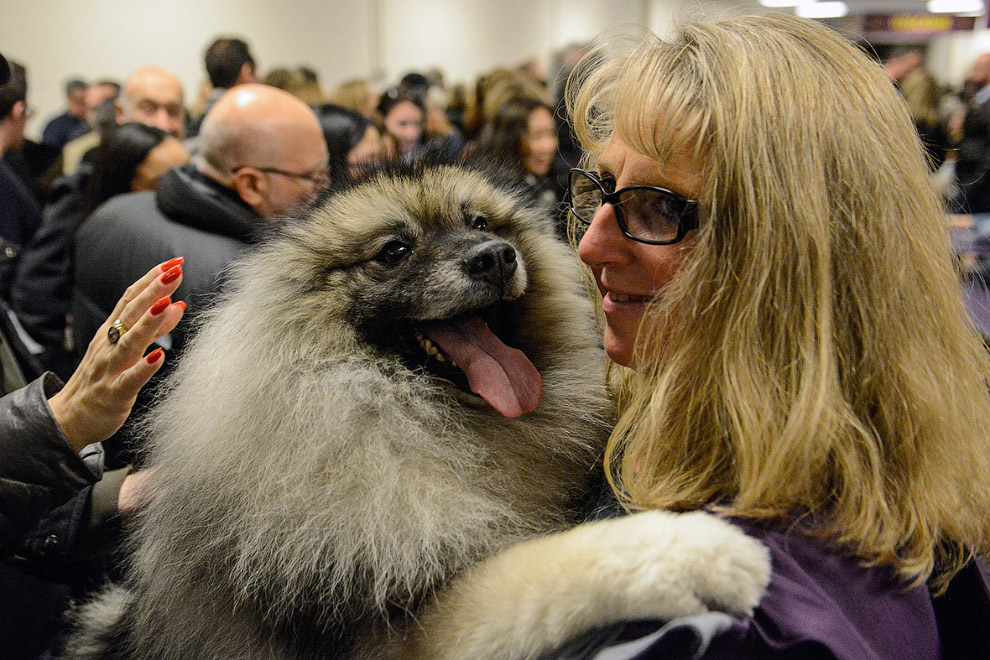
(39,470)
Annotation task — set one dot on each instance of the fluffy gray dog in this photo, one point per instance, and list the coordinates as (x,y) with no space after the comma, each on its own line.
(399,385)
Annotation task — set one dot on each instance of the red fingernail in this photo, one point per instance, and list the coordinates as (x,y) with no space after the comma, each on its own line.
(160,306)
(179,302)
(171,263)
(154,355)
(172,274)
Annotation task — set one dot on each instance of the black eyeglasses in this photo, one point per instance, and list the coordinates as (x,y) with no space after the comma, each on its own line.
(648,214)
(320,175)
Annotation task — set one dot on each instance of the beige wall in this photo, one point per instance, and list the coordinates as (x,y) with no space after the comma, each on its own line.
(57,39)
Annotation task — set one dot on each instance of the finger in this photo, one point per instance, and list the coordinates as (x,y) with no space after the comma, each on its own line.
(137,287)
(136,376)
(160,318)
(172,316)
(159,287)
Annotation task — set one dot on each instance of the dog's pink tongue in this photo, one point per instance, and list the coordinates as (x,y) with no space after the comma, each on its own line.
(501,375)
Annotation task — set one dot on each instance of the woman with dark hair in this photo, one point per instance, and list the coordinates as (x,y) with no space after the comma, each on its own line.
(522,135)
(404,119)
(132,158)
(353,141)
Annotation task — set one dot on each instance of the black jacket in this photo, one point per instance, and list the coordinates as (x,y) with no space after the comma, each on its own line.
(189,216)
(973,166)
(38,468)
(42,286)
(20,213)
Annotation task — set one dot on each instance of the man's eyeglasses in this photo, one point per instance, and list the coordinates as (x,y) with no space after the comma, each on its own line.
(320,175)
(648,214)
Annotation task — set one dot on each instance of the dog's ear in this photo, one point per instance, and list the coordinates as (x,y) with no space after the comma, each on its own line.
(539,594)
(499,167)
(434,154)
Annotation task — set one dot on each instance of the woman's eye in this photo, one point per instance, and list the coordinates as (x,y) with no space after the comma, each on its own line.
(479,223)
(392,252)
(608,182)
(663,207)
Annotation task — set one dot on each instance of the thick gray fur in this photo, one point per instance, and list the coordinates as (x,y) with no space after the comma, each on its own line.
(310,490)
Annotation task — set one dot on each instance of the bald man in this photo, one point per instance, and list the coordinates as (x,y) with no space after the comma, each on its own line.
(153,96)
(262,155)
(267,145)
(973,166)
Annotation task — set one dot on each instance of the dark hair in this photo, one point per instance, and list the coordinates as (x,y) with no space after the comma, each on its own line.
(393,96)
(502,138)
(13,90)
(308,75)
(343,128)
(224,60)
(74,85)
(415,83)
(279,78)
(121,152)
(105,115)
(111,83)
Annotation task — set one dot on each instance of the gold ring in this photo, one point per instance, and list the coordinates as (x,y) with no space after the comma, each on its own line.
(116,331)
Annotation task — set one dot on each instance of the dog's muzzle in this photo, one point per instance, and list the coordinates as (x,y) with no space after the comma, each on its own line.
(493,262)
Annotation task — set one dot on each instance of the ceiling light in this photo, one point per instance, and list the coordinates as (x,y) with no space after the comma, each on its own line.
(955,6)
(822,10)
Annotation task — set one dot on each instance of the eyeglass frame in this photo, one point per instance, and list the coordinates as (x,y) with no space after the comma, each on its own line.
(318,175)
(688,217)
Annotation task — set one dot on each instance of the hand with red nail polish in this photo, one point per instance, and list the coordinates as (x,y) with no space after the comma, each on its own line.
(101,392)
(171,274)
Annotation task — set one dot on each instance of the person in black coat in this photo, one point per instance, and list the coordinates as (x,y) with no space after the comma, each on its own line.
(262,155)
(973,166)
(131,157)
(20,212)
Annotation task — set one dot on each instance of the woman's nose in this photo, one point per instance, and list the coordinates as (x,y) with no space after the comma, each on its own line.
(603,241)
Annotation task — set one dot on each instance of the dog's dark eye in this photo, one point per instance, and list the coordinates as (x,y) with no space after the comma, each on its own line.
(480,223)
(392,252)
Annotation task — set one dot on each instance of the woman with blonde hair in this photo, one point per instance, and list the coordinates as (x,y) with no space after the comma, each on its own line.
(794,354)
(358,95)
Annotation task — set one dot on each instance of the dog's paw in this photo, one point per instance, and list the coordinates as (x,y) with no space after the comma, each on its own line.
(668,565)
(536,595)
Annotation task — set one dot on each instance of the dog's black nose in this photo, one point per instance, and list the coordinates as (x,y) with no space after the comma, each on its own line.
(493,262)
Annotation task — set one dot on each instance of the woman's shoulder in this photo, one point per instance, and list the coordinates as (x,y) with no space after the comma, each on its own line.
(824,602)
(821,603)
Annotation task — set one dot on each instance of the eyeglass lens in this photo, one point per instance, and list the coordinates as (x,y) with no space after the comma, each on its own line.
(647,214)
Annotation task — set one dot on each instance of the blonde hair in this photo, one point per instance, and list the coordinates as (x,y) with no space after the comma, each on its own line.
(813,356)
(353,94)
(513,86)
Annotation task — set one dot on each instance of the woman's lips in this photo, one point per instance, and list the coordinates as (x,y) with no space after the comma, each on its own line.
(618,302)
